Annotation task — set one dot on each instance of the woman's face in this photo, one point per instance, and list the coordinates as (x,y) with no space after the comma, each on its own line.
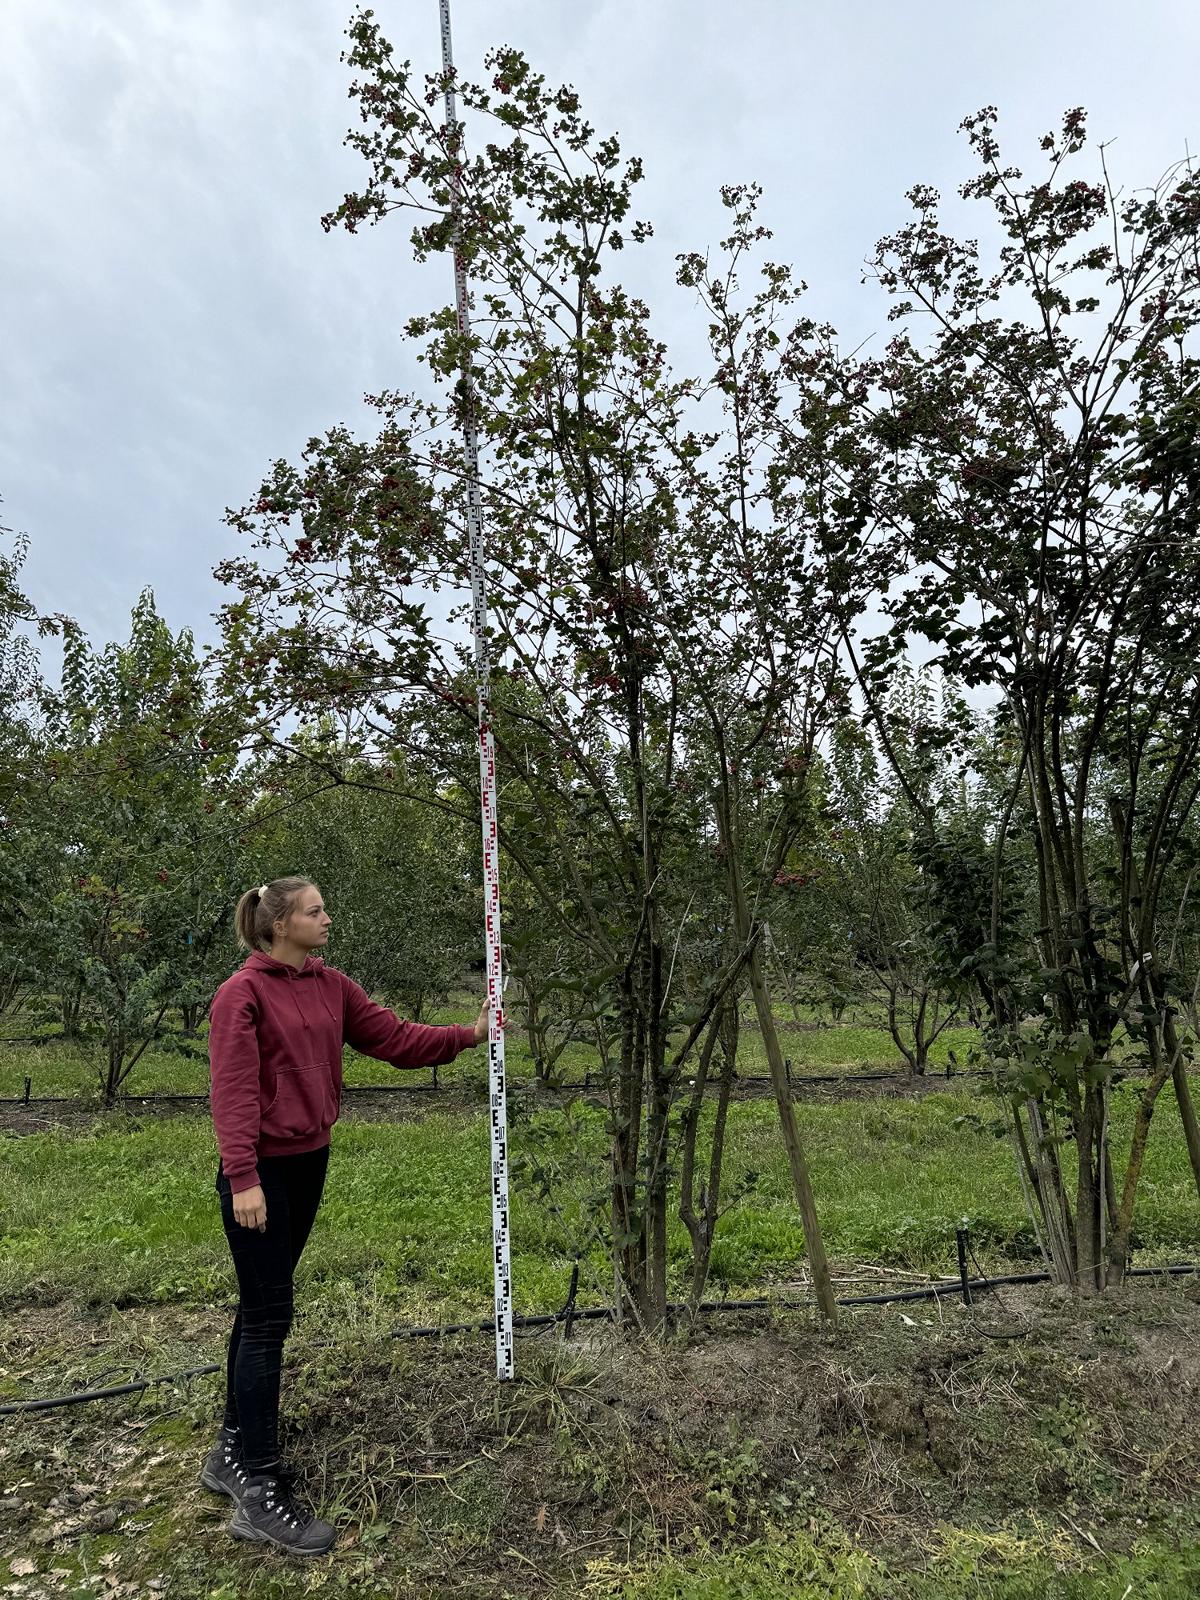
(307,924)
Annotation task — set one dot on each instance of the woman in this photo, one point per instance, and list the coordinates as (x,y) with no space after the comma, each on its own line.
(275,1049)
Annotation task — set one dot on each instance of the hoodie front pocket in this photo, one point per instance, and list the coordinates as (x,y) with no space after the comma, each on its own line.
(302,1104)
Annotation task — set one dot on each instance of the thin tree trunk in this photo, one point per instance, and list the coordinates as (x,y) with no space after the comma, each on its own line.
(626,1127)
(1087,1199)
(1030,1187)
(920,1043)
(893,1021)
(697,1223)
(1183,1094)
(711,1202)
(1051,1195)
(797,1161)
(1161,1069)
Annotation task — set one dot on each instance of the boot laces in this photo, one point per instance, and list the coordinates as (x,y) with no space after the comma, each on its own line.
(231,1458)
(280,1504)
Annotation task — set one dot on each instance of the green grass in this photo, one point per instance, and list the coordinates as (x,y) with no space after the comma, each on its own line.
(126,1211)
(968,1567)
(122,1218)
(844,1047)
(58,1068)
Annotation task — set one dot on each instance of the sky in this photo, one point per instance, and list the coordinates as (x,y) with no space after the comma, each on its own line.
(173,318)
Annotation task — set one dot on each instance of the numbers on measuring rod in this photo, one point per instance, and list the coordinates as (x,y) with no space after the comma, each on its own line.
(502,1264)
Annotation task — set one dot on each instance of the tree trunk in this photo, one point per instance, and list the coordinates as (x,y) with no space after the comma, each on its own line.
(535,1032)
(893,1021)
(114,1057)
(71,1006)
(1162,1067)
(797,1162)
(1042,1164)
(657,1130)
(1183,1094)
(920,1041)
(626,1133)
(700,1224)
(1089,1266)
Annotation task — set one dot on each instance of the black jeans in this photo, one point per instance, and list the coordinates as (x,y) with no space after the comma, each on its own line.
(264,1263)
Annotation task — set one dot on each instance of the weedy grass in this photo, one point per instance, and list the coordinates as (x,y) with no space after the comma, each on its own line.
(896,1458)
(974,1565)
(906,1456)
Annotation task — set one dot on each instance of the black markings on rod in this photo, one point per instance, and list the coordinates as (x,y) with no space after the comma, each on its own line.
(487,784)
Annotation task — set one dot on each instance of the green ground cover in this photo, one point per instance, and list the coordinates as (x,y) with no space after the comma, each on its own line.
(969,1566)
(57,1068)
(112,1260)
(903,1458)
(126,1211)
(895,1458)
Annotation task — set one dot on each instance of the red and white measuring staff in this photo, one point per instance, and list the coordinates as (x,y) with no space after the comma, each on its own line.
(501,1263)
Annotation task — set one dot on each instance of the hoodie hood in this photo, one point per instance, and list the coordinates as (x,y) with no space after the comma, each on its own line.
(260,961)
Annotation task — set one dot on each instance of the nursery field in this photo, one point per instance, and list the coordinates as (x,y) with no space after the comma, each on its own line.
(1021,1448)
(55,1068)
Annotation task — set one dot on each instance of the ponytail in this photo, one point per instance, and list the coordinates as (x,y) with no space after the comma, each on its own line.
(260,909)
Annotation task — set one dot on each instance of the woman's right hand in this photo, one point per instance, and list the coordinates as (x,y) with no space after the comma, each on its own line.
(250,1208)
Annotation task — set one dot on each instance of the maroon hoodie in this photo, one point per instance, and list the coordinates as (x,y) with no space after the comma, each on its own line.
(275,1052)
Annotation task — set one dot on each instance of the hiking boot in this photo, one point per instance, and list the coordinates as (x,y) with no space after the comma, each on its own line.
(268,1514)
(223,1472)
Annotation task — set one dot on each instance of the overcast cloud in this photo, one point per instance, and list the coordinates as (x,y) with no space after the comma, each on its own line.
(174,318)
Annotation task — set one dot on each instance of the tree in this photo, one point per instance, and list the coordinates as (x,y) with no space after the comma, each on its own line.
(634,613)
(1019,481)
(26,868)
(146,867)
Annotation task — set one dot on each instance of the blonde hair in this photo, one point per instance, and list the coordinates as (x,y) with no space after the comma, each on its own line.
(260,909)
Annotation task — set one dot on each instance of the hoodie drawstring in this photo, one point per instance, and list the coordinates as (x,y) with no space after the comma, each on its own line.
(293,977)
(328,1009)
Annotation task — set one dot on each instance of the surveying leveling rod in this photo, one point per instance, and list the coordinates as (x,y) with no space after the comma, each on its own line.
(502,1268)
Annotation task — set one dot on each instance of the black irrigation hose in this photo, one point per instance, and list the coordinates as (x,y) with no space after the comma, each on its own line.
(569,1315)
(87,1395)
(164,1097)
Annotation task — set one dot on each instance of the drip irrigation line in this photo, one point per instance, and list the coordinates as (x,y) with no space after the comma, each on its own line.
(165,1097)
(571,1314)
(87,1395)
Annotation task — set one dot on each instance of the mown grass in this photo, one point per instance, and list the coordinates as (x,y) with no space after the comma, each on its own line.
(180,1066)
(126,1211)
